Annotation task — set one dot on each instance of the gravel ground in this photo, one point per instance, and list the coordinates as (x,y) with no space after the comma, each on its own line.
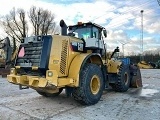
(135,104)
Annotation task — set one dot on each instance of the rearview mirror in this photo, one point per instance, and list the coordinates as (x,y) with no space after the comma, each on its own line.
(105,33)
(117,49)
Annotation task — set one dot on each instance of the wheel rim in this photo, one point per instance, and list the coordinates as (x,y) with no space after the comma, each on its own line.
(138,83)
(95,84)
(138,79)
(126,78)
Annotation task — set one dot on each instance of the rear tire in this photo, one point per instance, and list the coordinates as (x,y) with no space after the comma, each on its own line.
(45,94)
(91,85)
(123,82)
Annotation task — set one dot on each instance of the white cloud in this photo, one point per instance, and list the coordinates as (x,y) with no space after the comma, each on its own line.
(121,18)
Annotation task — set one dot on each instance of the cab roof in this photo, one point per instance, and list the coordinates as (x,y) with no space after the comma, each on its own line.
(86,24)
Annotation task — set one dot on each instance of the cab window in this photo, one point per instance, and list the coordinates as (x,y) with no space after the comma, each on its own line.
(96,33)
(82,32)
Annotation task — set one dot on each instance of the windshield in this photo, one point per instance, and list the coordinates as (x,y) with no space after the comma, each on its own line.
(84,33)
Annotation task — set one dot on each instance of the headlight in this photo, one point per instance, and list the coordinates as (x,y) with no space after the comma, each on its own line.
(12,70)
(50,73)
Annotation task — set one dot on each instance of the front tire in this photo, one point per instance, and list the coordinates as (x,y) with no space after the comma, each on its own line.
(123,82)
(91,85)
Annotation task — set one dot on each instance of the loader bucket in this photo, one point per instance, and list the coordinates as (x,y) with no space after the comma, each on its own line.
(136,80)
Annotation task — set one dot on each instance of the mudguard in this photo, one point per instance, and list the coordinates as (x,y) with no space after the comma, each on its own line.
(78,63)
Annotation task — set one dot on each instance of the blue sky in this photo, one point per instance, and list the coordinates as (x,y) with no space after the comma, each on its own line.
(121,18)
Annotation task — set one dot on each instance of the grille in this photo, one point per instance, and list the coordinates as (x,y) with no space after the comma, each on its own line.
(31,56)
(63,63)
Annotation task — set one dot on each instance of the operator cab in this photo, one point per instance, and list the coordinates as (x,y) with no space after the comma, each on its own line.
(91,33)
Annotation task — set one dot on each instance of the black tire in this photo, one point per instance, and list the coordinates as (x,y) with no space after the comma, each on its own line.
(45,94)
(91,85)
(123,82)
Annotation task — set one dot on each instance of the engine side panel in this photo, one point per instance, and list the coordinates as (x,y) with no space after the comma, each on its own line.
(63,50)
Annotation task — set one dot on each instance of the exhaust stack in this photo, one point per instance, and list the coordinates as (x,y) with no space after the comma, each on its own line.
(63,27)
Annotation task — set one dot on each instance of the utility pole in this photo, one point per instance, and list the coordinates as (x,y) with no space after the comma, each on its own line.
(141,44)
(123,46)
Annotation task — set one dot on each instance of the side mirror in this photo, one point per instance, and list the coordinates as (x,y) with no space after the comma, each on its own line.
(105,32)
(117,49)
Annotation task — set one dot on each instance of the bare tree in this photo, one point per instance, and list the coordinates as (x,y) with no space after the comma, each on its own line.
(48,24)
(42,21)
(34,18)
(15,25)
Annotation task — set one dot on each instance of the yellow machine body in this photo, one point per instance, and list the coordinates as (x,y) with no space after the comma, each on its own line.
(64,67)
(144,65)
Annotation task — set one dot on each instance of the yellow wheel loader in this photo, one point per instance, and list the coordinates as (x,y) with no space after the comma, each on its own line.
(75,61)
(145,65)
